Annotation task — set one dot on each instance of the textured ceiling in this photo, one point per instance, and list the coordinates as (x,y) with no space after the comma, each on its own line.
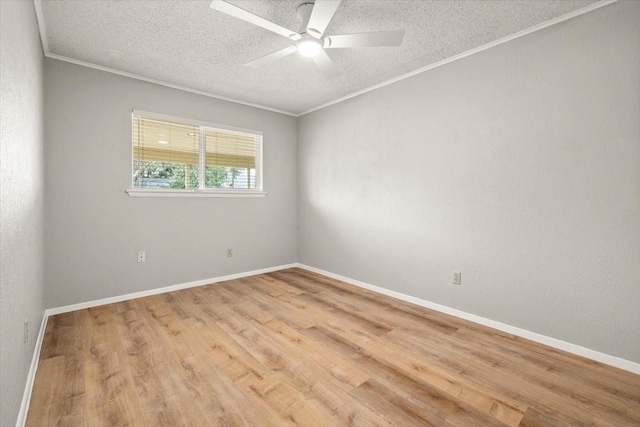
(188,44)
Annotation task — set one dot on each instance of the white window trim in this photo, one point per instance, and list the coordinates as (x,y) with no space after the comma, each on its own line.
(140,192)
(208,192)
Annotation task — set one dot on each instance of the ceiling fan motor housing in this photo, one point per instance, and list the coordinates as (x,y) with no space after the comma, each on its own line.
(304,13)
(309,46)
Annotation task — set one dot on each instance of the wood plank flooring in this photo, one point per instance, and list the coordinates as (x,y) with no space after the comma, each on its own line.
(294,348)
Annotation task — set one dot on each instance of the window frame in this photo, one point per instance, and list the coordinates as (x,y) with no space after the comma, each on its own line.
(201,191)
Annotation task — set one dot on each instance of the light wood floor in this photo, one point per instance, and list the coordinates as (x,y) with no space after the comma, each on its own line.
(297,348)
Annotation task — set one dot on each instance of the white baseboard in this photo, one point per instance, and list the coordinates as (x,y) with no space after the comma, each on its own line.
(26,397)
(126,297)
(607,359)
(31,376)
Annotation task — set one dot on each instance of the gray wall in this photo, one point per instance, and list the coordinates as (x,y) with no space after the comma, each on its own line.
(21,199)
(94,230)
(518,166)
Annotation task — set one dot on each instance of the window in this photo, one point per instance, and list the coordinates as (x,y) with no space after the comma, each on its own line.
(173,156)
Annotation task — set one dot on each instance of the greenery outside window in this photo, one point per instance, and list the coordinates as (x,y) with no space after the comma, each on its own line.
(182,156)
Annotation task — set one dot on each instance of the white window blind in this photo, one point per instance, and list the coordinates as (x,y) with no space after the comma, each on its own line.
(180,154)
(233,152)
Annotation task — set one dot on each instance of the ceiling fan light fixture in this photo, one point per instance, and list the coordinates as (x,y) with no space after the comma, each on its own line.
(309,47)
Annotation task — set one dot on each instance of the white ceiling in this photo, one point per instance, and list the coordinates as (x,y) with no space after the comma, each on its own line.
(187,44)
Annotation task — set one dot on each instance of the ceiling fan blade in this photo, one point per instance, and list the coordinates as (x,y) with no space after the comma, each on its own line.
(377,39)
(323,11)
(326,65)
(256,63)
(236,12)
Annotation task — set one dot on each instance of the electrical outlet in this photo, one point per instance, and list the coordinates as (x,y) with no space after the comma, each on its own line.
(142,256)
(25,332)
(457,278)
(229,253)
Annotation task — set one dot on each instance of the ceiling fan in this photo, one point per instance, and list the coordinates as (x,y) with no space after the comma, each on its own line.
(309,39)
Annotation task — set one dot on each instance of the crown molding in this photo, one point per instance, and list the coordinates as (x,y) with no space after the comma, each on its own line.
(41,27)
(470,52)
(163,83)
(45,47)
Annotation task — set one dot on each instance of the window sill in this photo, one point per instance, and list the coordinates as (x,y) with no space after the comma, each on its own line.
(194,193)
